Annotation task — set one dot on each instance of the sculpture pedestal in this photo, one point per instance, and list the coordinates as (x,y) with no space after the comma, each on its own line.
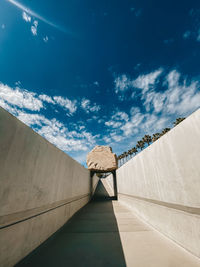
(114,182)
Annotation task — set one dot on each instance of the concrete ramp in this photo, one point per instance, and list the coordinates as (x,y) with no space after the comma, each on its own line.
(106,233)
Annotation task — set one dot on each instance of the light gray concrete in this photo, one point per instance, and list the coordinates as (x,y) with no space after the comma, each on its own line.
(162,184)
(106,233)
(40,185)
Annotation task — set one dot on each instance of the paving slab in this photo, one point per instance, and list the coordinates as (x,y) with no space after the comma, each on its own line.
(106,233)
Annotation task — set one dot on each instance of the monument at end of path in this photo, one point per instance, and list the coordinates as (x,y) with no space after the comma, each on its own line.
(101,159)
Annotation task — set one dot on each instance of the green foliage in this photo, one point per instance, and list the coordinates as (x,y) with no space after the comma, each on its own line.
(147,139)
(155,137)
(178,120)
(140,144)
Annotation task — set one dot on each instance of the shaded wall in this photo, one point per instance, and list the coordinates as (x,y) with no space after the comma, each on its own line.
(41,187)
(162,184)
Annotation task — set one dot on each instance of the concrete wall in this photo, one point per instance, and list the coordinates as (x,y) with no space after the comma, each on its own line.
(41,187)
(162,184)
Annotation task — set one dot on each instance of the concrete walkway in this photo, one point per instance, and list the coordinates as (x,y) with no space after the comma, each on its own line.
(105,233)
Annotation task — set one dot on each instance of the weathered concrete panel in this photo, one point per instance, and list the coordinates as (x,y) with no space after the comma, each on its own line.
(162,184)
(40,185)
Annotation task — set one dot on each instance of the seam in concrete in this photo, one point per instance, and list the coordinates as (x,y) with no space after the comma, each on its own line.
(14,218)
(187,209)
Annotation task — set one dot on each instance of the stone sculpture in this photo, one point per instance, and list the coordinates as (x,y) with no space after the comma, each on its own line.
(102,159)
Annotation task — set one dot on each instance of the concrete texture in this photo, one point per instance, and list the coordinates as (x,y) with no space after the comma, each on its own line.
(41,188)
(161,184)
(106,233)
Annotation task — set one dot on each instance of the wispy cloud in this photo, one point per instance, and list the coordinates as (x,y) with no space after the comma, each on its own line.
(122,83)
(26,17)
(20,98)
(70,105)
(55,132)
(146,81)
(162,96)
(117,119)
(34,27)
(88,107)
(160,100)
(47,99)
(46,39)
(36,15)
(28,107)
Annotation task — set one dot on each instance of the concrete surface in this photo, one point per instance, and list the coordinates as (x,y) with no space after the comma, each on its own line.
(162,184)
(41,188)
(106,233)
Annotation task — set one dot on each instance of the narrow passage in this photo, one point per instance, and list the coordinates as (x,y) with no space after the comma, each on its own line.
(105,233)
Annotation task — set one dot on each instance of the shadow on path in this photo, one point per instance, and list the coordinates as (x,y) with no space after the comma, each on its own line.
(90,238)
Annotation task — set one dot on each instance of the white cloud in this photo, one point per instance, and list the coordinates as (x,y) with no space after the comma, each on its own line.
(24,99)
(179,98)
(66,103)
(36,15)
(34,27)
(144,82)
(123,125)
(17,101)
(20,98)
(85,103)
(26,17)
(59,135)
(56,133)
(122,83)
(47,99)
(117,119)
(3,26)
(107,139)
(120,115)
(95,108)
(45,39)
(173,79)
(116,137)
(88,107)
(152,123)
(154,100)
(113,124)
(132,126)
(8,107)
(134,110)
(147,81)
(32,119)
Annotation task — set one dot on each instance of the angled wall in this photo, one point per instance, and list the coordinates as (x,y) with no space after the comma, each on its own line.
(41,187)
(162,184)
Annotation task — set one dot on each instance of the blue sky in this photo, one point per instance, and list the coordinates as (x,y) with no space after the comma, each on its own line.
(86,73)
